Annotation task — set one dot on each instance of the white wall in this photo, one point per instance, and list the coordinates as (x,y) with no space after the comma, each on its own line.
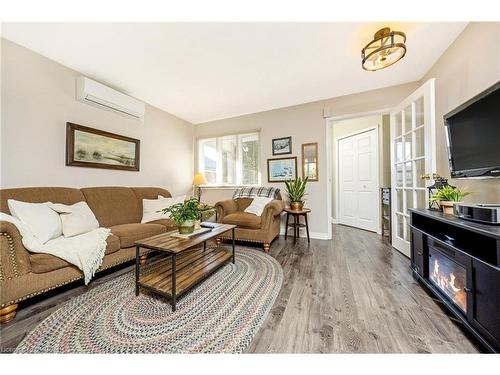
(304,123)
(38,98)
(470,65)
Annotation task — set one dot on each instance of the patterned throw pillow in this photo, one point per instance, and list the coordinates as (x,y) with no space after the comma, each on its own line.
(252,192)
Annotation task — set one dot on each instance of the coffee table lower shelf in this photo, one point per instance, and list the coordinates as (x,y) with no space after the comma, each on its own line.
(182,272)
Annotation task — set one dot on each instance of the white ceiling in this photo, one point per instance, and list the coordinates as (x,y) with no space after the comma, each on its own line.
(207,71)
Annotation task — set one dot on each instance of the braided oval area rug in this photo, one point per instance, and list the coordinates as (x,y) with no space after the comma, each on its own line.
(221,315)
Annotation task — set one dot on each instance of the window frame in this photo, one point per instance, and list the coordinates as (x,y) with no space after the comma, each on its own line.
(238,161)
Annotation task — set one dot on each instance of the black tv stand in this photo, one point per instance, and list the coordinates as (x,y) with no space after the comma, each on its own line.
(458,262)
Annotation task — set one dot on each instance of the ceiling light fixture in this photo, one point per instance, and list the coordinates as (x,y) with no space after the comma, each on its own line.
(386,48)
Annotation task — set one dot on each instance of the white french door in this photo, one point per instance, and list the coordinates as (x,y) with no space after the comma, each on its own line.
(413,155)
(358,180)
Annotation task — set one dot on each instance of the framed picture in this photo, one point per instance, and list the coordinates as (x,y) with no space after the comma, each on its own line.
(282,146)
(93,148)
(310,165)
(282,169)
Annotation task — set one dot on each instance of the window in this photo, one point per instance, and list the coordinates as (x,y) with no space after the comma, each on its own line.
(230,160)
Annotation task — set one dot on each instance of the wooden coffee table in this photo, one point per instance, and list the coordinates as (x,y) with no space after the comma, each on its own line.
(179,264)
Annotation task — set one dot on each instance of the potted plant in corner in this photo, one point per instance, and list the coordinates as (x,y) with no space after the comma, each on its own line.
(186,214)
(447,196)
(296,190)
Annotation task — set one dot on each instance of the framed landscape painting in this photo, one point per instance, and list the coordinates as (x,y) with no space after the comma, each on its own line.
(282,169)
(282,146)
(89,147)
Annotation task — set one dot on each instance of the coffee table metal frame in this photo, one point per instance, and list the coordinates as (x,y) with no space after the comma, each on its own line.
(172,297)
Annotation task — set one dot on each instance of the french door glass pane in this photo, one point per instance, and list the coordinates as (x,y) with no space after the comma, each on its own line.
(407,122)
(228,153)
(399,124)
(399,207)
(421,198)
(419,172)
(408,175)
(400,226)
(398,149)
(408,231)
(419,112)
(419,143)
(408,142)
(399,175)
(409,200)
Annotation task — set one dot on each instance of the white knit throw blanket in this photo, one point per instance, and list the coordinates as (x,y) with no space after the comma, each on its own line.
(86,251)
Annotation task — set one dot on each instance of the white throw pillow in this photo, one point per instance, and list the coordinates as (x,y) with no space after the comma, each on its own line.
(257,206)
(150,208)
(76,219)
(39,218)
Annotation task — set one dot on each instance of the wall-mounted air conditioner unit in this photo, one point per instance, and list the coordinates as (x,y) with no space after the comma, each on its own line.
(99,95)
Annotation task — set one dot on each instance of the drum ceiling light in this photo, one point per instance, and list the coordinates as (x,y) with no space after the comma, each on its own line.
(386,48)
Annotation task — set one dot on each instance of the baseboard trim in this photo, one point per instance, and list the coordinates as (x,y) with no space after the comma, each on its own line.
(315,235)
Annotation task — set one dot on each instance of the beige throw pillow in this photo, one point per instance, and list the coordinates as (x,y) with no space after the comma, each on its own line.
(257,206)
(76,219)
(150,208)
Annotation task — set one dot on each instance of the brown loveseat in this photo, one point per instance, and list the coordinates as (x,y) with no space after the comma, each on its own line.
(250,227)
(24,274)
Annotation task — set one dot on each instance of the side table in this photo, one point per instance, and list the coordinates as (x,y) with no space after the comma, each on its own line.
(296,225)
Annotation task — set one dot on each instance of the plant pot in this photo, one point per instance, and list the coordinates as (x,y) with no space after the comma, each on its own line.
(447,207)
(297,206)
(186,227)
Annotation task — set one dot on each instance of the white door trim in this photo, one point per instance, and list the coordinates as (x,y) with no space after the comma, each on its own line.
(329,121)
(336,182)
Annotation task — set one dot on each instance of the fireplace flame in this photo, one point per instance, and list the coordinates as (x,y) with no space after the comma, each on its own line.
(448,283)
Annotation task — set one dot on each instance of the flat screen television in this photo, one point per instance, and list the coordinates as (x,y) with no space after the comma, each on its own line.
(473,136)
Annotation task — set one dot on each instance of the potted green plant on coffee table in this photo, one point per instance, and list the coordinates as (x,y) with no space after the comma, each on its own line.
(296,190)
(447,196)
(187,213)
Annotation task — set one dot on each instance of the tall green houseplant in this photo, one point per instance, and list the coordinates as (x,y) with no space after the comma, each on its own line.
(296,190)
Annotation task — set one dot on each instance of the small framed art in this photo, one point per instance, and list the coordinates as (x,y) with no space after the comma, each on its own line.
(282,146)
(281,169)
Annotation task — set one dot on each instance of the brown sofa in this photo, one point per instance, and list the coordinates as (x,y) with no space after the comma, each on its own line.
(24,274)
(250,227)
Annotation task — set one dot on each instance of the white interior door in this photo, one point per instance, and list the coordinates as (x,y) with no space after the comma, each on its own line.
(413,154)
(358,180)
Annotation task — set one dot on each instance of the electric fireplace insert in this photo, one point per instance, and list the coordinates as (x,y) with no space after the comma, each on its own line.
(458,262)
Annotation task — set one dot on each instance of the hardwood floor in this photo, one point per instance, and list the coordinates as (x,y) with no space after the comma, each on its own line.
(353,294)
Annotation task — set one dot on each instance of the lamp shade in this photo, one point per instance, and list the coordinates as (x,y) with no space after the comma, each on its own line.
(199,179)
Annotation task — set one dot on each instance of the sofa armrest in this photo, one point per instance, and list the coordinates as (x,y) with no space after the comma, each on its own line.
(271,211)
(225,208)
(14,258)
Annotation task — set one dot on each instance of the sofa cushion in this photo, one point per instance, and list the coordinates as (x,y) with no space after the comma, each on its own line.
(113,205)
(113,244)
(42,263)
(243,220)
(129,233)
(169,224)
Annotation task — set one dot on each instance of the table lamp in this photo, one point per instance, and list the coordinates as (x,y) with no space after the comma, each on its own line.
(198,180)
